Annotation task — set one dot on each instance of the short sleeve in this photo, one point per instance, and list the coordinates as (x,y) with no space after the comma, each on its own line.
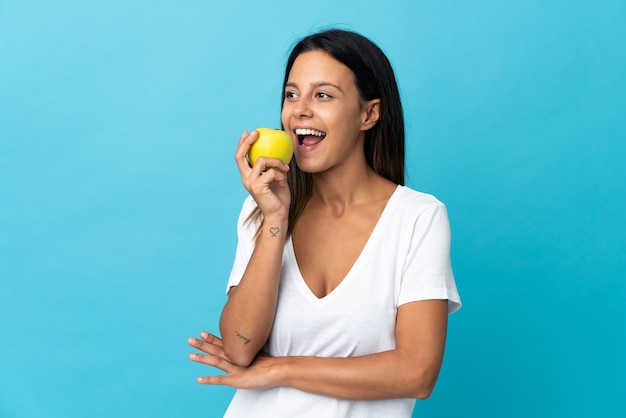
(245,243)
(427,273)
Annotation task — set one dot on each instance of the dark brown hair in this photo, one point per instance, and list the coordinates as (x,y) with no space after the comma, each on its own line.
(375,79)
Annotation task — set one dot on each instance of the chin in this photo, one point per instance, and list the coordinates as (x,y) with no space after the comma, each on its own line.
(308,168)
(310,165)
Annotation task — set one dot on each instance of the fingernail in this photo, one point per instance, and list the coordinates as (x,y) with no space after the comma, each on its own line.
(204,335)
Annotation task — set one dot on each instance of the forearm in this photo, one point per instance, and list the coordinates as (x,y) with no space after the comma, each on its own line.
(386,375)
(408,371)
(248,315)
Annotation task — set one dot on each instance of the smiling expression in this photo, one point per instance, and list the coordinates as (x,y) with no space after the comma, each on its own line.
(324,113)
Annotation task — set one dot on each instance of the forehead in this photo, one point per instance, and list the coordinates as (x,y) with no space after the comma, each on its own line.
(315,66)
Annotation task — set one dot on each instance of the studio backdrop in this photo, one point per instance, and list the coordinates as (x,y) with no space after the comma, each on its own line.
(119,194)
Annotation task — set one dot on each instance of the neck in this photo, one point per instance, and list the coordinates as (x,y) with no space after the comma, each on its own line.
(358,187)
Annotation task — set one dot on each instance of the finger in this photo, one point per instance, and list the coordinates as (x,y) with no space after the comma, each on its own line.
(214,380)
(243,148)
(210,338)
(242,137)
(246,136)
(213,361)
(209,348)
(275,177)
(263,164)
(263,177)
(205,346)
(267,185)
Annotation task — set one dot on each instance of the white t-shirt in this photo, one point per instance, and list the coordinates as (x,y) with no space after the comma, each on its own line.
(406,259)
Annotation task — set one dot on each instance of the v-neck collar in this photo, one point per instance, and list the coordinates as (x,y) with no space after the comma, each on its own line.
(299,278)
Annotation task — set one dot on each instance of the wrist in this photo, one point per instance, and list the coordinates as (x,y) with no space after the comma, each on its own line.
(274,227)
(280,371)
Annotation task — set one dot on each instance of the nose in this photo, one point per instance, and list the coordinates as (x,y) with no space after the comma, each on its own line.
(302,108)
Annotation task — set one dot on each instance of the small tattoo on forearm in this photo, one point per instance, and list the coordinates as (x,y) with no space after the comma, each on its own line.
(274,231)
(246,340)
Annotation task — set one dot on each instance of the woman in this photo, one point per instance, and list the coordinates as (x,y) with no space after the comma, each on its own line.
(341,287)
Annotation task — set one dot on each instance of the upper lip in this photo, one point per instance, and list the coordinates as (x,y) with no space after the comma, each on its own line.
(300,136)
(301,128)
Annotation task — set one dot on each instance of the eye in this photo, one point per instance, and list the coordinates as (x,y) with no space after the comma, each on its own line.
(290,95)
(323,95)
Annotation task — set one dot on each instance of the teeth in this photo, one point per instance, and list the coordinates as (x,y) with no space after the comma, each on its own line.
(300,131)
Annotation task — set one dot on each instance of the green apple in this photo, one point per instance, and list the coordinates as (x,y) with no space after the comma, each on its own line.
(272,143)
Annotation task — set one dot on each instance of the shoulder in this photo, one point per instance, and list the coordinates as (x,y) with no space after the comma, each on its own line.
(416,202)
(411,213)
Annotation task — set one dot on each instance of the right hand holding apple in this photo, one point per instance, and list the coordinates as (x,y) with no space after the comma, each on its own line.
(269,188)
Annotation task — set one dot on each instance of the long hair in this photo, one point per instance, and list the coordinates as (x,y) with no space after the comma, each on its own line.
(375,79)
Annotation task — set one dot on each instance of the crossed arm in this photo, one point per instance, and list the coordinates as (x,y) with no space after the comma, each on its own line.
(408,371)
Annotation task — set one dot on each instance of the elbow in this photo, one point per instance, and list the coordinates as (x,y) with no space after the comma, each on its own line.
(237,349)
(241,358)
(422,385)
(242,362)
(238,353)
(423,393)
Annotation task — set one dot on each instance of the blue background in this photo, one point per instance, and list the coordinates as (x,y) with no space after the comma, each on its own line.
(119,194)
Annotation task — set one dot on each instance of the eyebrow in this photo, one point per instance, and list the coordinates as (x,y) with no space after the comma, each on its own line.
(317,84)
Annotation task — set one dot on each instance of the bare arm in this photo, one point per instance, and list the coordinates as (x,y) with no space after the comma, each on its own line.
(408,371)
(248,315)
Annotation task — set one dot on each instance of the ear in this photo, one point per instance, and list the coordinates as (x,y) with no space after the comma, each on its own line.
(371,113)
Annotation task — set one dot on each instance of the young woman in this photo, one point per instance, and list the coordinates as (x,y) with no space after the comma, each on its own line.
(341,286)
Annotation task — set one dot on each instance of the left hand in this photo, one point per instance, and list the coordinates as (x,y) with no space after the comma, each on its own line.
(256,376)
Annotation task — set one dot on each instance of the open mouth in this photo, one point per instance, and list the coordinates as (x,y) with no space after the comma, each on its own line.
(308,137)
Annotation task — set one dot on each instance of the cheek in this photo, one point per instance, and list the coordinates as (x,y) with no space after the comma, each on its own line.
(284,115)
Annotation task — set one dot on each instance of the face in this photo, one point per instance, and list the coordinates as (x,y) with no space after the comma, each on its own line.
(324,113)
